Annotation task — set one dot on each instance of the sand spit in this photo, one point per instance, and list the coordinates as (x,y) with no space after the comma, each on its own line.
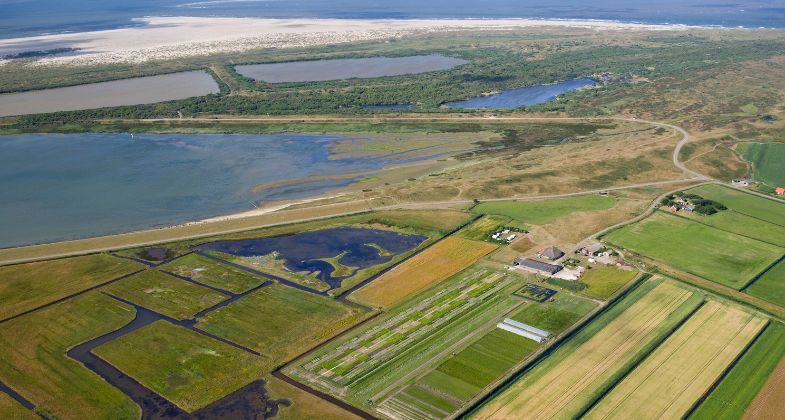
(165,38)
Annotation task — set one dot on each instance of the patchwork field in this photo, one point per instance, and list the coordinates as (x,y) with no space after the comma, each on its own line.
(213,273)
(671,379)
(578,372)
(545,211)
(166,294)
(604,281)
(761,208)
(745,380)
(187,368)
(465,374)
(33,358)
(711,253)
(279,321)
(28,286)
(771,285)
(767,161)
(373,361)
(442,260)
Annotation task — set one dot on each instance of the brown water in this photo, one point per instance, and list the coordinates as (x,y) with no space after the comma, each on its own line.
(136,91)
(347,68)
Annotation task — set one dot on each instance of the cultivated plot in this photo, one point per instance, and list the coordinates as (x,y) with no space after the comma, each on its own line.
(465,374)
(280,321)
(768,403)
(747,377)
(166,294)
(708,252)
(569,380)
(27,286)
(187,368)
(373,361)
(213,273)
(33,358)
(671,379)
(442,260)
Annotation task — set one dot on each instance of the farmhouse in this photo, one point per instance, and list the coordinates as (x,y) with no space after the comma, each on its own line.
(551,253)
(537,267)
(780,191)
(590,250)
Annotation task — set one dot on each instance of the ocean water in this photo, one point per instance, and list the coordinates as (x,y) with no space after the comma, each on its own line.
(33,17)
(66,186)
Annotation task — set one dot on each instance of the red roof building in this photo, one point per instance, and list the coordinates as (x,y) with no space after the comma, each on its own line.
(780,191)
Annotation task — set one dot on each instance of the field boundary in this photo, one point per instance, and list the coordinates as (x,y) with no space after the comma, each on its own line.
(762,273)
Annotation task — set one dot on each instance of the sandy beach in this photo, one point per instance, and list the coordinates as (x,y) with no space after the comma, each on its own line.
(162,38)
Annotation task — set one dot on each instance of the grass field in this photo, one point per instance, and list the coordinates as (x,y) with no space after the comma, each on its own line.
(28,286)
(465,374)
(579,371)
(165,294)
(484,227)
(304,404)
(279,321)
(275,265)
(770,286)
(672,378)
(212,273)
(440,261)
(739,223)
(12,410)
(740,386)
(33,359)
(767,160)
(711,253)
(741,202)
(769,401)
(545,211)
(187,368)
(604,281)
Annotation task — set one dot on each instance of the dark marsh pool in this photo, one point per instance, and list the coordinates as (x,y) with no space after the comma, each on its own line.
(524,96)
(305,251)
(347,68)
(67,186)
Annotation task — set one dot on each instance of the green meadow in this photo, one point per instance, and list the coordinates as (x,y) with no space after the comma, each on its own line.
(761,208)
(771,285)
(768,161)
(541,212)
(213,273)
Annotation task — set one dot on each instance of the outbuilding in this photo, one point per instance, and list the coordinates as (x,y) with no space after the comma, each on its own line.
(551,253)
(537,267)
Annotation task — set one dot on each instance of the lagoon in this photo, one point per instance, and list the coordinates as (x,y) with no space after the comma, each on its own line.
(347,68)
(66,186)
(524,96)
(135,91)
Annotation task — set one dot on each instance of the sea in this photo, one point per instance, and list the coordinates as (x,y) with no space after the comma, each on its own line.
(21,18)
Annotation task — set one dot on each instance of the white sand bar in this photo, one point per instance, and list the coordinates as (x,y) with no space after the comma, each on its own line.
(161,38)
(136,91)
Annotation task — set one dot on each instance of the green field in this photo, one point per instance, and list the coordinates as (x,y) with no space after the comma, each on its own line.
(185,367)
(770,286)
(768,161)
(280,321)
(542,212)
(744,225)
(28,286)
(741,385)
(708,252)
(604,281)
(33,359)
(465,374)
(484,227)
(741,202)
(213,273)
(10,409)
(165,294)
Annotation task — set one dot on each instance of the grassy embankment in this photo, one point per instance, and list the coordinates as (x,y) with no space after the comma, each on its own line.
(212,273)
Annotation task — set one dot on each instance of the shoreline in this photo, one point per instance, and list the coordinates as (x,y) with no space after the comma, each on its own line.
(167,38)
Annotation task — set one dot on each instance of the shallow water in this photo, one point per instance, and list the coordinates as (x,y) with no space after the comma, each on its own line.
(524,96)
(136,91)
(58,187)
(347,68)
(305,251)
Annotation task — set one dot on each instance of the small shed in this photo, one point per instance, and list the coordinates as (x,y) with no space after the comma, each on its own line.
(780,190)
(552,253)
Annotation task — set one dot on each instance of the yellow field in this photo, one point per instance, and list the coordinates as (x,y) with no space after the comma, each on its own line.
(684,367)
(448,257)
(568,381)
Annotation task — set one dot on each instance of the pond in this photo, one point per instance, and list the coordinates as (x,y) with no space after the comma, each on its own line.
(524,96)
(136,91)
(309,251)
(67,186)
(347,68)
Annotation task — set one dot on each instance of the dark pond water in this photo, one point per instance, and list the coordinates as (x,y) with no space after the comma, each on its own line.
(58,187)
(347,68)
(304,251)
(529,95)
